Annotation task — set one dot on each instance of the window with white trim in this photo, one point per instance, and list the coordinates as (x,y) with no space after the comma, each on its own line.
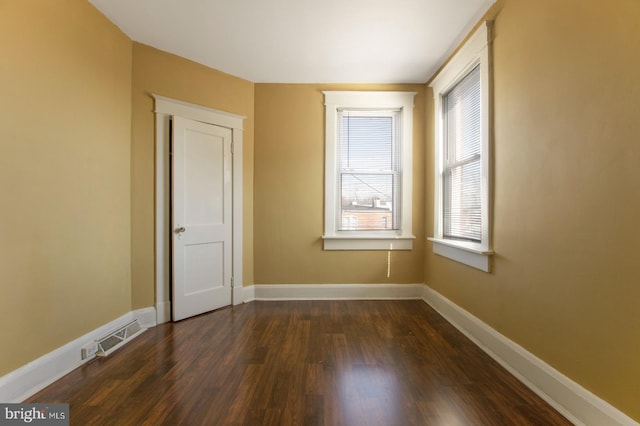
(462,160)
(368,170)
(462,169)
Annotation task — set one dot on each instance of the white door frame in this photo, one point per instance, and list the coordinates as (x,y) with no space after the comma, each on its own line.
(165,108)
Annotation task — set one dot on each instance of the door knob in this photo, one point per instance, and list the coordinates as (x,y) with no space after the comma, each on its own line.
(180,230)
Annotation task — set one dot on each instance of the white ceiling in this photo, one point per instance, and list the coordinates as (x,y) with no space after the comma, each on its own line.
(303,41)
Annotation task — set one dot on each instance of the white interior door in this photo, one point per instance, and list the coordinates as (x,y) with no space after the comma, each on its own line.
(201,217)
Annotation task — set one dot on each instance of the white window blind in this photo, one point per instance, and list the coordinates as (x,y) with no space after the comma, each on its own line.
(462,114)
(368,168)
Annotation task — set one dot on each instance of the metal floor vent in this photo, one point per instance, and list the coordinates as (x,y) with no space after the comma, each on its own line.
(119,337)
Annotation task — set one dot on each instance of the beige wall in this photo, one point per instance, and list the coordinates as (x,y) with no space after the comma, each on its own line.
(565,282)
(289,194)
(168,75)
(65,96)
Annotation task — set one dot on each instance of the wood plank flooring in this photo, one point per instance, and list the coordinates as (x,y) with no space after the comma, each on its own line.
(301,363)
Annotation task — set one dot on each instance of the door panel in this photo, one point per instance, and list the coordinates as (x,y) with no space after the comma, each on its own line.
(203,179)
(203,267)
(201,217)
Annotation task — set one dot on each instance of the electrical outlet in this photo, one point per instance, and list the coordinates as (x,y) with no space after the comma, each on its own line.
(89,350)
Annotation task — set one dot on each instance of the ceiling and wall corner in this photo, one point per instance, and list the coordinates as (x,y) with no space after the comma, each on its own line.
(281,41)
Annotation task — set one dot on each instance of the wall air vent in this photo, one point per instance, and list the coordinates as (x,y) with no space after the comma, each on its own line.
(119,337)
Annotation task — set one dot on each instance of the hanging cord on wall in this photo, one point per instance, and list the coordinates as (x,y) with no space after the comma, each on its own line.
(389,261)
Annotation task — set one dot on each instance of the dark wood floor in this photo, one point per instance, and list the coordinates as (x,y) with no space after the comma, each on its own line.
(306,363)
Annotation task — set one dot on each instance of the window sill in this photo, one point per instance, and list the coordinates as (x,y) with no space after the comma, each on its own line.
(467,253)
(351,242)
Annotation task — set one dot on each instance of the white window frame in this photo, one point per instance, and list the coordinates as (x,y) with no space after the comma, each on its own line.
(475,52)
(402,238)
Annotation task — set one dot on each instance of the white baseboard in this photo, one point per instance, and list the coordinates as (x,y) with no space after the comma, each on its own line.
(577,404)
(147,317)
(313,292)
(20,384)
(243,294)
(337,291)
(163,312)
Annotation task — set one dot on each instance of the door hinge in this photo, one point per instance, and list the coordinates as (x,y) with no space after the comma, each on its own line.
(231,281)
(232,145)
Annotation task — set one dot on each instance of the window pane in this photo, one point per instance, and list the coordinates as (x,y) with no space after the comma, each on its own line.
(462,117)
(366,202)
(462,215)
(366,142)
